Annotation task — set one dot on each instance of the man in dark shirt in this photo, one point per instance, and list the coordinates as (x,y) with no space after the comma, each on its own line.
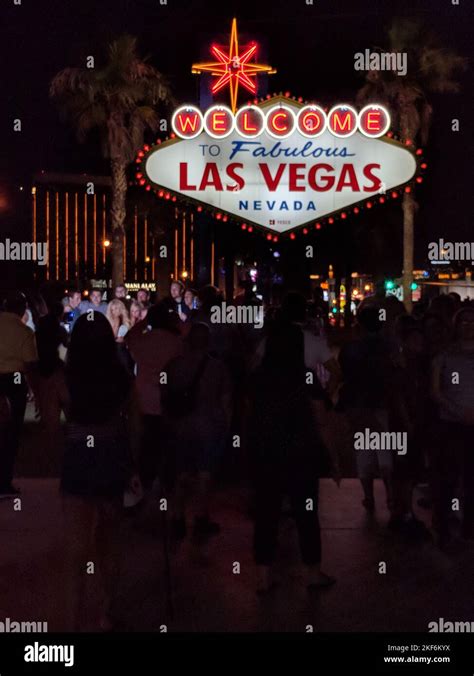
(175,301)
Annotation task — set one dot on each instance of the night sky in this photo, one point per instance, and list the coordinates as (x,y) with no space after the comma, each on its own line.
(312,47)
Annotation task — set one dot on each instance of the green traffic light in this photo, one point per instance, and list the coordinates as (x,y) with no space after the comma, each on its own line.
(414,286)
(389,284)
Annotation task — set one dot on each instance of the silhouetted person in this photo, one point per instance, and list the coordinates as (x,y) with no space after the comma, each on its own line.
(98,463)
(18,361)
(364,396)
(286,452)
(407,415)
(153,343)
(201,388)
(453,391)
(50,336)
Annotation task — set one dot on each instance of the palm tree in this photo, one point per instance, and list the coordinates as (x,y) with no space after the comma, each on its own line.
(119,100)
(430,69)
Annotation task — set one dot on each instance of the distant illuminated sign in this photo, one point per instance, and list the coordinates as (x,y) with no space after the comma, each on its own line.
(136,286)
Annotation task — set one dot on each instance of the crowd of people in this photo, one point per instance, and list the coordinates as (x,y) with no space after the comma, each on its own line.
(158,397)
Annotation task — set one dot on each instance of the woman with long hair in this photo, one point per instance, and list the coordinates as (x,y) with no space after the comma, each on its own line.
(119,319)
(136,312)
(97,465)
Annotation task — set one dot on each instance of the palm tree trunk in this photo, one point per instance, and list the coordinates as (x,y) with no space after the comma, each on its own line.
(409,131)
(408,248)
(117,213)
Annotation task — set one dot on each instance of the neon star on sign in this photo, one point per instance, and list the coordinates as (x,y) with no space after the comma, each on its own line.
(233,67)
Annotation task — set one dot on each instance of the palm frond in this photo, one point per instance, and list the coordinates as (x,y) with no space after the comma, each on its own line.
(122,54)
(70,81)
(90,117)
(119,98)
(404,34)
(431,68)
(143,118)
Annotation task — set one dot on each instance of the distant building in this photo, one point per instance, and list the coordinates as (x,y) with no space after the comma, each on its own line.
(71,213)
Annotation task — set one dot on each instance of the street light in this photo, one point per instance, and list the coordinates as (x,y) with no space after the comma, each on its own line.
(106,243)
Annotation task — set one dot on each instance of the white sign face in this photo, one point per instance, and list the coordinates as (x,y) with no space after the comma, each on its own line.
(279,184)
